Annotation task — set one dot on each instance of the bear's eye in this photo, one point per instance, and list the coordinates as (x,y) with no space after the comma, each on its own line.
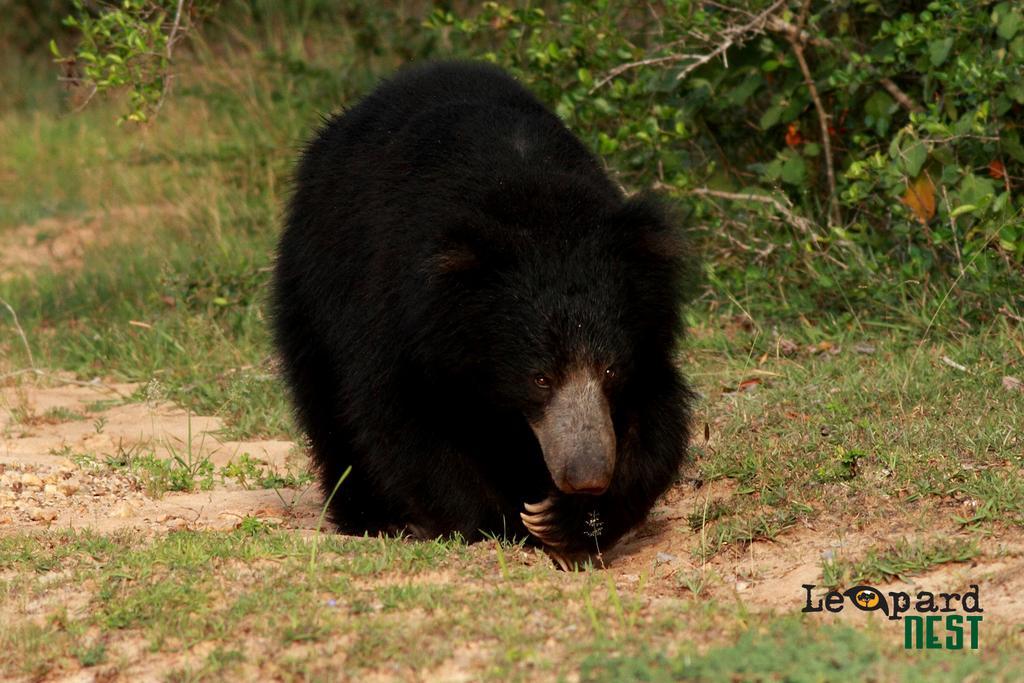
(542,382)
(610,372)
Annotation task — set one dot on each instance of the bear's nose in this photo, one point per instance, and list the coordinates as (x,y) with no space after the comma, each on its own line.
(586,488)
(588,478)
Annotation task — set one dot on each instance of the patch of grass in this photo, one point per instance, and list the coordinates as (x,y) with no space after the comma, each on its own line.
(91,655)
(899,561)
(250,597)
(789,649)
(160,475)
(747,527)
(252,473)
(859,433)
(61,414)
(707,514)
(182,471)
(30,649)
(103,404)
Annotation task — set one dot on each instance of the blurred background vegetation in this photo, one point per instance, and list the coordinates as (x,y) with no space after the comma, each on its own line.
(843,166)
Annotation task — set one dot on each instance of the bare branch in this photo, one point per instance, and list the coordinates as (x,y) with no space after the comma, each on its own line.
(731,35)
(1005,310)
(21,332)
(174,29)
(799,222)
(622,68)
(898,95)
(833,198)
(172,38)
(778,25)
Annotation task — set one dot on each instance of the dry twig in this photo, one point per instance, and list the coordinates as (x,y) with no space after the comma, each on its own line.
(826,143)
(731,35)
(799,222)
(778,25)
(21,333)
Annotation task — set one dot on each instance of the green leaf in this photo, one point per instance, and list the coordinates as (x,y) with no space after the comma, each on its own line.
(976,191)
(1017,47)
(794,170)
(1011,145)
(1009,25)
(879,106)
(938,50)
(1016,91)
(965,124)
(742,92)
(879,109)
(962,209)
(770,117)
(772,170)
(913,158)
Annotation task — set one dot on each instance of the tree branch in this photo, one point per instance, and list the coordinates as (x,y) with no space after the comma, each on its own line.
(731,35)
(174,29)
(777,25)
(799,222)
(835,215)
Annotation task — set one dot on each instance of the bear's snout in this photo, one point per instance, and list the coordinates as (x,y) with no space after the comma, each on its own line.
(588,475)
(577,437)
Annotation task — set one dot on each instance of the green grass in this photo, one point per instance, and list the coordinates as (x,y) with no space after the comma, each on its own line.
(859,432)
(254,597)
(901,561)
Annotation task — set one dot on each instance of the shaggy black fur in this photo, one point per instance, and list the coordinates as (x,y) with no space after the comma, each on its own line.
(447,242)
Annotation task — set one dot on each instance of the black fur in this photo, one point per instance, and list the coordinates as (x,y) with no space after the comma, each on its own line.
(448,239)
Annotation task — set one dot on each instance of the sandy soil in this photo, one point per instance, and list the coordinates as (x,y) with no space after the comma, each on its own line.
(53,471)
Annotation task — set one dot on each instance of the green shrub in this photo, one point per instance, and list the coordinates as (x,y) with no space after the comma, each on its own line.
(903,162)
(835,157)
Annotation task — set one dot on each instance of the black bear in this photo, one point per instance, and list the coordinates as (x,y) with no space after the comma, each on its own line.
(472,316)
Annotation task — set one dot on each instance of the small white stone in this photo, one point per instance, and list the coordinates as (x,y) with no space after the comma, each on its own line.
(37,514)
(123,511)
(68,487)
(30,480)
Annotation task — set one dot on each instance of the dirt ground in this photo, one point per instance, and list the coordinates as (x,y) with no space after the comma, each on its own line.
(53,475)
(60,243)
(53,472)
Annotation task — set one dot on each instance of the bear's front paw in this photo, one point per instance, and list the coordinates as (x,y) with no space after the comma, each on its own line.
(545,523)
(541,520)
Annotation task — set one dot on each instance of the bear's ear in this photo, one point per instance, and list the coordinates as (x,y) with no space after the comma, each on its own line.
(454,258)
(650,229)
(459,250)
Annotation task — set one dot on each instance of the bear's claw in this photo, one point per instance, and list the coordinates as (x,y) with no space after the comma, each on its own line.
(541,522)
(561,560)
(541,507)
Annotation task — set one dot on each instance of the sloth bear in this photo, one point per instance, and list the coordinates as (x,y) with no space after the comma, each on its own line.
(477,321)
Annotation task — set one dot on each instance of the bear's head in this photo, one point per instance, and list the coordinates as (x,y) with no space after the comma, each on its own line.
(558,310)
